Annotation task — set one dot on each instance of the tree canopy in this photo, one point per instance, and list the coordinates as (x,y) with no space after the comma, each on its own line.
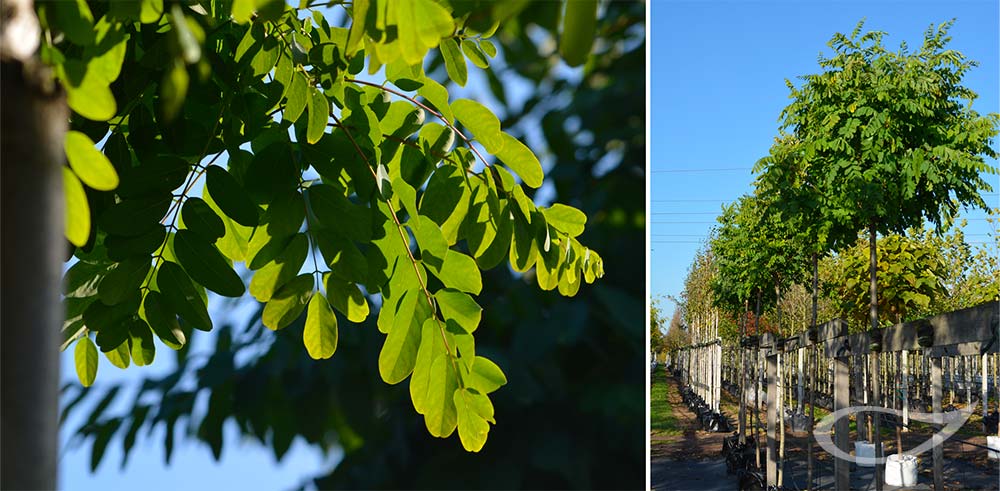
(406,220)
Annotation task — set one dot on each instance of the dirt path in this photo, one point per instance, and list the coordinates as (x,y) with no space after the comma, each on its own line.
(691,443)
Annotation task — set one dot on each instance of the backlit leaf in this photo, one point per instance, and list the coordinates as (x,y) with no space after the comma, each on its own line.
(85,359)
(320,334)
(206,265)
(89,164)
(77,215)
(181,297)
(288,303)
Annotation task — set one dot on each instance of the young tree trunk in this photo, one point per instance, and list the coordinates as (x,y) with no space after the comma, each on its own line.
(814,362)
(876,382)
(34,122)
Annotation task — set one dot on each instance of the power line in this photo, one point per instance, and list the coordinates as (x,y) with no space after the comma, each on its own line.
(692,200)
(692,171)
(684,213)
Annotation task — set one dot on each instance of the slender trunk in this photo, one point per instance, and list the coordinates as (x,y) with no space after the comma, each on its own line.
(34,122)
(756,399)
(815,369)
(873,313)
(743,376)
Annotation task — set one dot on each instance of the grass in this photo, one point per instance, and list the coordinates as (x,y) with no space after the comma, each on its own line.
(661,416)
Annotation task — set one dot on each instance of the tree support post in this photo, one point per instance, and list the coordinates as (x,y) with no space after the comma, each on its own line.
(772,418)
(937,450)
(841,400)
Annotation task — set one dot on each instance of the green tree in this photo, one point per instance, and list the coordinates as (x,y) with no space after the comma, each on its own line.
(656,327)
(547,363)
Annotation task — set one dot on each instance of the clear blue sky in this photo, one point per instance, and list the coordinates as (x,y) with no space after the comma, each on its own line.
(718,73)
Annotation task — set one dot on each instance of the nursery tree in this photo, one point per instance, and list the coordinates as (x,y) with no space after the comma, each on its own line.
(894,131)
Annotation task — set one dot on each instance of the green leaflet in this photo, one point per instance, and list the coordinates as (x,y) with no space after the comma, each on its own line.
(235,243)
(109,322)
(156,175)
(485,376)
(436,141)
(431,345)
(482,122)
(123,280)
(459,307)
(446,200)
(488,47)
(133,217)
(565,218)
(422,25)
(319,114)
(121,248)
(288,303)
(440,414)
(206,265)
(119,356)
(141,342)
(266,57)
(85,359)
(521,160)
(475,54)
(399,352)
(162,320)
(454,62)
(280,270)
(474,412)
(359,12)
(271,173)
(338,214)
(230,196)
(180,296)
(320,334)
(201,219)
(281,220)
(174,89)
(87,91)
(437,96)
(523,252)
(82,279)
(77,215)
(89,164)
(454,269)
(347,298)
(298,98)
(342,256)
(74,19)
(578,30)
(547,266)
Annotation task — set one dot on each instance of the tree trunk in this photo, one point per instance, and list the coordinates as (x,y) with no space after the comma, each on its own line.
(876,378)
(814,362)
(34,122)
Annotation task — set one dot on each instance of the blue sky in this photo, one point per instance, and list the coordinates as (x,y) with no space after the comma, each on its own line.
(717,72)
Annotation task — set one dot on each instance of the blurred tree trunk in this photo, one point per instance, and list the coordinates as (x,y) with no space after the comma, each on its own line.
(34,122)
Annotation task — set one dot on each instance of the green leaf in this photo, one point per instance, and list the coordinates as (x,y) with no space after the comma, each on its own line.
(242,10)
(85,359)
(121,248)
(266,57)
(109,322)
(338,214)
(342,256)
(359,12)
(446,200)
(141,341)
(319,114)
(201,219)
(232,199)
(521,160)
(156,175)
(320,334)
(488,47)
(454,62)
(77,215)
(123,280)
(399,352)
(236,242)
(482,122)
(523,252)
(437,96)
(565,218)
(119,356)
(89,164)
(74,19)
(485,376)
(441,415)
(162,320)
(151,11)
(279,271)
(298,98)
(475,54)
(579,29)
(460,272)
(288,303)
(347,298)
(173,89)
(431,345)
(474,411)
(87,92)
(459,307)
(426,22)
(181,297)
(132,217)
(206,265)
